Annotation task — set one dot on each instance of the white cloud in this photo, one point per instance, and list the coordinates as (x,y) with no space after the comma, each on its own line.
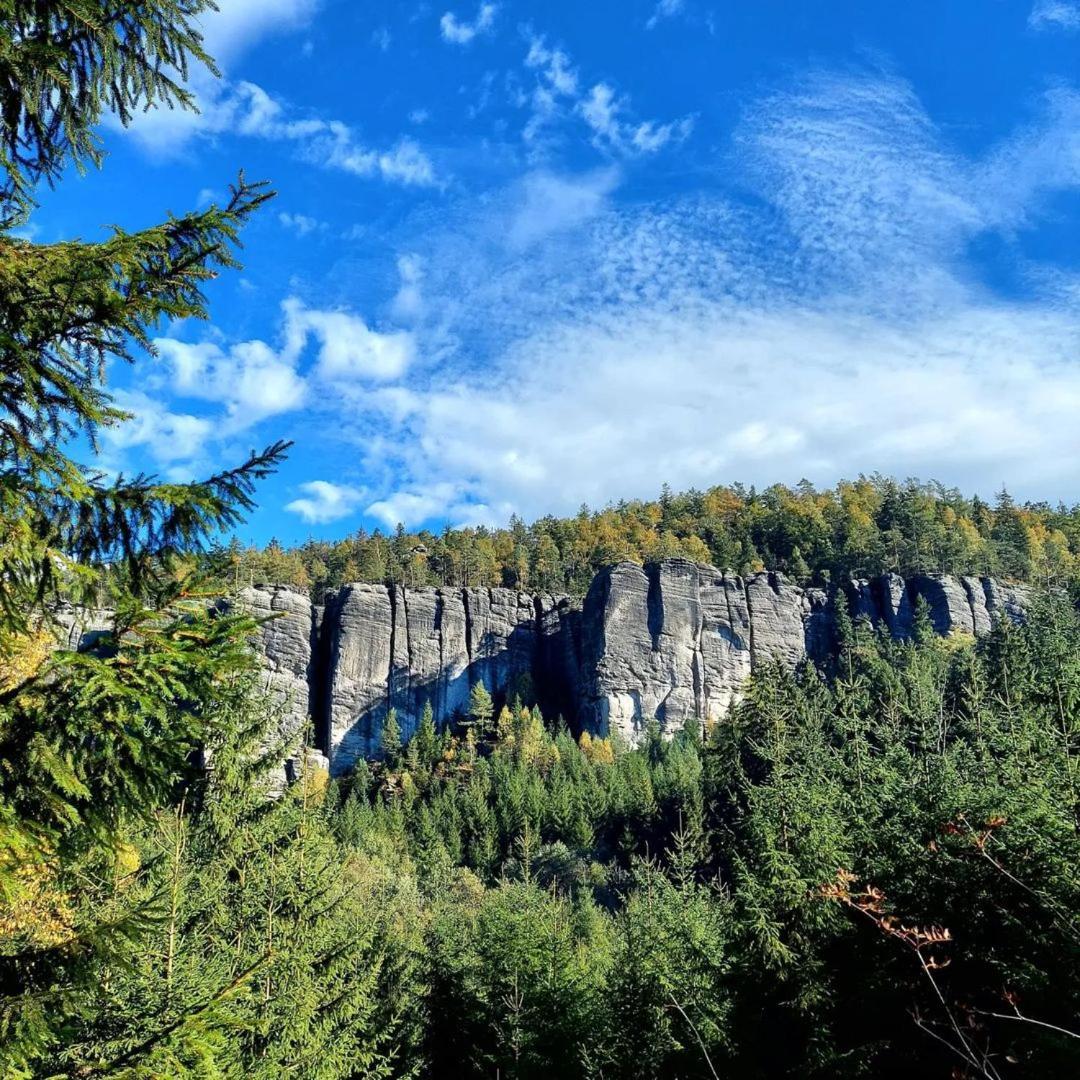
(301,224)
(249,379)
(462,33)
(564,345)
(408,302)
(324,502)
(1055,15)
(591,350)
(412,507)
(169,437)
(1041,158)
(603,111)
(237,25)
(553,66)
(551,203)
(245,108)
(382,39)
(349,350)
(443,500)
(403,163)
(556,95)
(665,9)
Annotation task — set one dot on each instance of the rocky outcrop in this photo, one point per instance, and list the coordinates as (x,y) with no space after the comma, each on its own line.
(671,641)
(677,640)
(357,632)
(284,643)
(407,648)
(80,627)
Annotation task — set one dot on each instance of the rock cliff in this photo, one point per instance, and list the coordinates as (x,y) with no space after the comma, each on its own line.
(672,641)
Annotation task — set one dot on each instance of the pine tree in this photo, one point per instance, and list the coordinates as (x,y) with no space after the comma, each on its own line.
(481,709)
(426,738)
(390,739)
(93,739)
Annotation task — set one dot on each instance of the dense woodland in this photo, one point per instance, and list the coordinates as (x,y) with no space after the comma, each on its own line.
(872,872)
(866,871)
(861,528)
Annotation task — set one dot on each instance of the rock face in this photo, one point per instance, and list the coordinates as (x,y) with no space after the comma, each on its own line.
(406,648)
(677,640)
(671,641)
(284,645)
(79,628)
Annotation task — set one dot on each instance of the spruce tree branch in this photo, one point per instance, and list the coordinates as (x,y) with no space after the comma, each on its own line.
(150,1043)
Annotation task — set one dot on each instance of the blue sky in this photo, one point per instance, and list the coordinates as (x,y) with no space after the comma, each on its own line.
(528,255)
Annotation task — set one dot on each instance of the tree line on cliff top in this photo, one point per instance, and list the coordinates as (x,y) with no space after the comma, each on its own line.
(861,528)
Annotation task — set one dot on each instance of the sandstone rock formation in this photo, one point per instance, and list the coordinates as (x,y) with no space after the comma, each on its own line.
(79,628)
(671,641)
(677,640)
(406,648)
(284,645)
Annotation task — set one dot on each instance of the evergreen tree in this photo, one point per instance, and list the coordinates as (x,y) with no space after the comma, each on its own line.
(426,738)
(481,710)
(95,738)
(390,739)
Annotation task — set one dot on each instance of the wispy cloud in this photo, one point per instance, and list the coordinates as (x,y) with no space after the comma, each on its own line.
(172,439)
(608,115)
(460,32)
(301,224)
(1055,15)
(237,25)
(321,353)
(665,9)
(604,111)
(587,349)
(564,339)
(246,109)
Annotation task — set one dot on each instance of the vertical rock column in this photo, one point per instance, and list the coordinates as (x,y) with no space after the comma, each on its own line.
(724,640)
(360,652)
(283,645)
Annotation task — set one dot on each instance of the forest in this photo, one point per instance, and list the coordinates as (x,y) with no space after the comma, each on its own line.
(867,869)
(861,528)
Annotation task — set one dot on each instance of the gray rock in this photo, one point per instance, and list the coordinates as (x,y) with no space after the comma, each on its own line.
(674,641)
(557,679)
(1006,600)
(981,619)
(950,608)
(408,647)
(894,604)
(724,641)
(452,698)
(862,604)
(501,636)
(79,627)
(417,654)
(670,642)
(778,619)
(361,622)
(619,674)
